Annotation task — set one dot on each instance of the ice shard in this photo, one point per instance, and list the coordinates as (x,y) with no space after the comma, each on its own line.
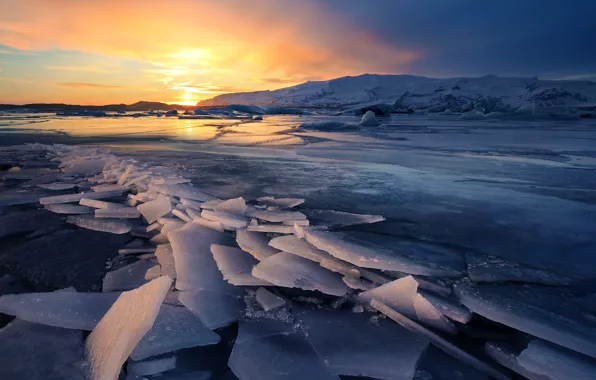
(70,198)
(88,166)
(57,186)
(280,202)
(113,226)
(278,216)
(271,350)
(255,243)
(151,366)
(153,273)
(182,215)
(118,213)
(211,204)
(228,221)
(299,247)
(153,210)
(236,266)
(165,257)
(402,295)
(197,218)
(127,278)
(448,307)
(175,328)
(214,309)
(109,187)
(190,203)
(183,191)
(267,300)
(122,328)
(236,206)
(288,270)
(71,310)
(350,344)
(273,228)
(337,219)
(62,208)
(387,253)
(100,204)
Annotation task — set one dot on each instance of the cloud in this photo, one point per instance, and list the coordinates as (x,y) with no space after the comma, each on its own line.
(87,85)
(90,69)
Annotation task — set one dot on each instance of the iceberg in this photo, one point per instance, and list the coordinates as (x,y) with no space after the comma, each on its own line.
(119,213)
(127,278)
(350,344)
(62,208)
(291,271)
(255,243)
(104,225)
(369,120)
(268,301)
(165,258)
(122,328)
(175,328)
(155,209)
(69,198)
(236,266)
(214,309)
(271,350)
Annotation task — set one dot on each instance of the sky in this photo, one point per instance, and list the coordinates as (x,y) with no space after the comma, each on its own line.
(181,51)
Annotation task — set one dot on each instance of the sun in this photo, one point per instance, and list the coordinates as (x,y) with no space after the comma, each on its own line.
(186,99)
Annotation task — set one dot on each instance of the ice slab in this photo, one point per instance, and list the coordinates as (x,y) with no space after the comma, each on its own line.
(153,210)
(159,239)
(125,174)
(280,202)
(438,365)
(173,225)
(267,300)
(273,228)
(109,187)
(89,166)
(269,350)
(448,307)
(175,328)
(100,204)
(288,270)
(303,223)
(113,226)
(402,295)
(151,366)
(387,253)
(438,342)
(62,208)
(228,221)
(153,273)
(122,328)
(197,218)
(506,354)
(337,219)
(57,186)
(183,191)
(236,266)
(69,198)
(153,226)
(119,213)
(211,204)
(195,267)
(350,344)
(165,257)
(182,215)
(190,203)
(255,243)
(299,247)
(278,216)
(214,309)
(127,278)
(356,283)
(541,311)
(31,351)
(71,310)
(236,206)
(483,268)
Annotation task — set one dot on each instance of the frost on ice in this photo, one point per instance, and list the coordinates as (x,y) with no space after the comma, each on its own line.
(291,271)
(121,329)
(255,243)
(236,266)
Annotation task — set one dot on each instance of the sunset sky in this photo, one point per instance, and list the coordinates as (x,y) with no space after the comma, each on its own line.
(182,51)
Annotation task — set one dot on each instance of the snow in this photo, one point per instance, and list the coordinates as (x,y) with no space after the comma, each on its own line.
(288,270)
(255,243)
(122,328)
(155,209)
(61,208)
(104,225)
(69,198)
(268,301)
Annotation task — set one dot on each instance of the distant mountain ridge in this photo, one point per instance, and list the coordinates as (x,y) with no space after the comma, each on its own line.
(415,92)
(60,107)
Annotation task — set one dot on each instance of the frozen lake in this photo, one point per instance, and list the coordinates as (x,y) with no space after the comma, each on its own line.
(525,191)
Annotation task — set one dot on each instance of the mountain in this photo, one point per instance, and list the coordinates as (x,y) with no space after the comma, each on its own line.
(60,107)
(415,92)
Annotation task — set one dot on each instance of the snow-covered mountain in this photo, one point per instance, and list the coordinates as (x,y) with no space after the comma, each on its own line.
(406,91)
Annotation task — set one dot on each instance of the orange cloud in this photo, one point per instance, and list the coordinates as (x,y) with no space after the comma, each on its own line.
(87,85)
(90,69)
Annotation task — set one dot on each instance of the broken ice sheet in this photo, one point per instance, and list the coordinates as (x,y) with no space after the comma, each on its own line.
(100,204)
(369,250)
(122,328)
(109,187)
(483,268)
(69,198)
(236,206)
(271,350)
(291,271)
(151,366)
(175,328)
(126,278)
(402,295)
(280,202)
(113,226)
(228,221)
(71,310)
(197,218)
(544,312)
(278,216)
(30,351)
(267,300)
(195,267)
(88,166)
(119,213)
(214,309)
(165,257)
(255,243)
(337,219)
(236,266)
(211,204)
(350,344)
(273,228)
(155,209)
(299,247)
(183,191)
(61,208)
